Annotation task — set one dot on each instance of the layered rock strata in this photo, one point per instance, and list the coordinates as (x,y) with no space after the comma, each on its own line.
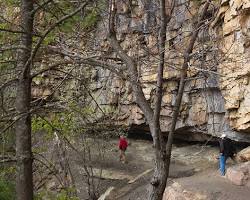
(215,99)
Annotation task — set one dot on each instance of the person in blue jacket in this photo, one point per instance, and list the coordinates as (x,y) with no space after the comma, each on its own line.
(227,150)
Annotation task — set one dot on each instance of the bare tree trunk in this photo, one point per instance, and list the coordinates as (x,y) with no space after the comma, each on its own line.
(159,180)
(24,180)
(162,149)
(184,69)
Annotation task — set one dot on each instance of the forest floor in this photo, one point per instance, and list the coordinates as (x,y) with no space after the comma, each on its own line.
(194,167)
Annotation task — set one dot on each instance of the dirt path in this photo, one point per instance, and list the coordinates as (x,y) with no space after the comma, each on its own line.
(194,167)
(114,173)
(214,186)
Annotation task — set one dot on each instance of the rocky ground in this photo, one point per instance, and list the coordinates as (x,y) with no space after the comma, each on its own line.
(193,174)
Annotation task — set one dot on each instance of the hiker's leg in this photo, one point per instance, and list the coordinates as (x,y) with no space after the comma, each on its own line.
(124,156)
(121,156)
(222,165)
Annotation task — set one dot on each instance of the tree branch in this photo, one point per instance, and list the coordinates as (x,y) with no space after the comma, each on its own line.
(41,6)
(8,83)
(132,67)
(79,59)
(165,18)
(183,77)
(51,67)
(33,54)
(16,31)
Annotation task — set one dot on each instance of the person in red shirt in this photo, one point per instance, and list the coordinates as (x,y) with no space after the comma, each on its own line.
(123,144)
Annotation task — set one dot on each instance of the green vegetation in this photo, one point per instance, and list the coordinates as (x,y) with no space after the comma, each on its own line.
(62,122)
(7,187)
(7,190)
(11,2)
(91,19)
(62,195)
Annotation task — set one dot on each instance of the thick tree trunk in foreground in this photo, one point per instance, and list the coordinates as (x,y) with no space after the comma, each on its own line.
(159,179)
(158,182)
(24,180)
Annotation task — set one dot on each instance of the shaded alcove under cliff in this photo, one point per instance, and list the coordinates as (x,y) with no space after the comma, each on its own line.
(182,136)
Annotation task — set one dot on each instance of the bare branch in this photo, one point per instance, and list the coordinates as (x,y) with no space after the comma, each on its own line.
(79,59)
(60,21)
(12,48)
(41,6)
(16,31)
(131,65)
(8,83)
(11,31)
(51,67)
(7,159)
(183,77)
(165,18)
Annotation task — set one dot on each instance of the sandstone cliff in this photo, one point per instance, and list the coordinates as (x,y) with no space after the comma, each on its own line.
(216,94)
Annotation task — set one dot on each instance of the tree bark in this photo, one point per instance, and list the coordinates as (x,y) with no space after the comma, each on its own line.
(184,69)
(159,180)
(24,180)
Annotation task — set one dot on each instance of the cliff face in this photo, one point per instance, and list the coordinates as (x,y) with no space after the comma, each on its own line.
(216,97)
(234,69)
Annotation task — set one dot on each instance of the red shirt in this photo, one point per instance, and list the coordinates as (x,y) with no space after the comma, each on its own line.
(123,144)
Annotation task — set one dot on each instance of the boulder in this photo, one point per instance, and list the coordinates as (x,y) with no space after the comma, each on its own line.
(244,155)
(177,192)
(239,174)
